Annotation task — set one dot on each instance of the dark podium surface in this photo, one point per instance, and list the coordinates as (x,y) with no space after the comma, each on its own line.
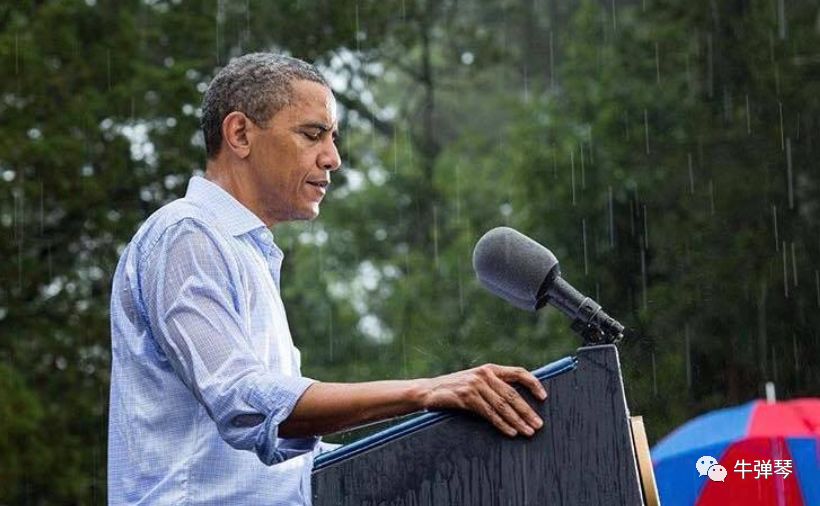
(582,456)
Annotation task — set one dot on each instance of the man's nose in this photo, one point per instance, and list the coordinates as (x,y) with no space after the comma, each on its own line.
(329,159)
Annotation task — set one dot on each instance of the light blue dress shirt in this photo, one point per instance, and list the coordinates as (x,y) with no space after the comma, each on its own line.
(203,366)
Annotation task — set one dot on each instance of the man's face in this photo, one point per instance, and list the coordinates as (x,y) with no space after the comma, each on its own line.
(291,159)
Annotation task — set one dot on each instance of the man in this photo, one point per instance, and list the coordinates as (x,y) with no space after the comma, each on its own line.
(203,363)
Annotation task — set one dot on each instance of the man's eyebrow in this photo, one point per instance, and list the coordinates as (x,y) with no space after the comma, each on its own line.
(320,126)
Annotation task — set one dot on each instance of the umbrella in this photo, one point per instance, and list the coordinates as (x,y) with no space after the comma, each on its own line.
(756,453)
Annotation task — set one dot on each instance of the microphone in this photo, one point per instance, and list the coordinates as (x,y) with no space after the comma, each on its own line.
(526,274)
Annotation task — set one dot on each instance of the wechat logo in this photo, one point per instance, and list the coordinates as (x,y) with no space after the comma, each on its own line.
(708,466)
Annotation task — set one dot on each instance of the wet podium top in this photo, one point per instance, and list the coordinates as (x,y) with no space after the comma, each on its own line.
(582,456)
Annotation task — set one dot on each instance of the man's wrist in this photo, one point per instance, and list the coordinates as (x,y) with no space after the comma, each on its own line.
(419,393)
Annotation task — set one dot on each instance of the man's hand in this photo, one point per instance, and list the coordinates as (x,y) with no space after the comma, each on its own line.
(486,390)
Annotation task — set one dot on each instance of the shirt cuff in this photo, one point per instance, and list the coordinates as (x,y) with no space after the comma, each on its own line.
(278,402)
(324,447)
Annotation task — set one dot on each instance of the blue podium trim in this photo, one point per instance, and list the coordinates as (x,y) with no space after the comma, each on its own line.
(419,422)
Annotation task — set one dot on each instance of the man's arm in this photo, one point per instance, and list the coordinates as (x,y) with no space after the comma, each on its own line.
(187,283)
(330,407)
(189,287)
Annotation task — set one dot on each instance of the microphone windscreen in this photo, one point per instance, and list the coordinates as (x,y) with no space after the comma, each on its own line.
(512,266)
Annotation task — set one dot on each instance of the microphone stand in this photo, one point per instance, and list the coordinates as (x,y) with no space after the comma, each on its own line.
(588,319)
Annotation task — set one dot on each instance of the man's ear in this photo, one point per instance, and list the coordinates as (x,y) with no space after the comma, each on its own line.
(236,133)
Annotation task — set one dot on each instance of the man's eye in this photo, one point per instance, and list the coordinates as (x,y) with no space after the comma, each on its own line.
(311,136)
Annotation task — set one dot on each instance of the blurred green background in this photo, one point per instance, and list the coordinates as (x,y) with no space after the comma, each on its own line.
(664,150)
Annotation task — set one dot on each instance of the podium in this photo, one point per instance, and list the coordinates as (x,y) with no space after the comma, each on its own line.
(584,454)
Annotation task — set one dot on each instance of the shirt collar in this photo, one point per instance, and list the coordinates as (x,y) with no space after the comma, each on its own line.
(231,214)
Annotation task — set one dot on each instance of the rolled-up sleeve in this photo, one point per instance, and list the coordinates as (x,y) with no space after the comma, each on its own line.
(191,284)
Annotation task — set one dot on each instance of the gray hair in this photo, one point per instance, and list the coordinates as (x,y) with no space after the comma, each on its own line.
(258,85)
